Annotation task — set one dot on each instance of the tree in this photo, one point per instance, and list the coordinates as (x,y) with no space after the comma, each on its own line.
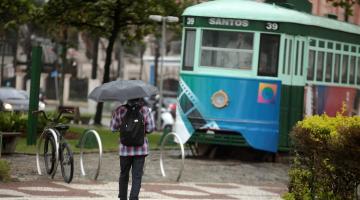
(14,13)
(347,5)
(125,18)
(106,18)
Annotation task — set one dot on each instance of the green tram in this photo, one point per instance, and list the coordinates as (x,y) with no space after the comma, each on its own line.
(251,70)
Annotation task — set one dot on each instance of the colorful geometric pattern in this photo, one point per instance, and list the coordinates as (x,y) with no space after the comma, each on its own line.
(267,93)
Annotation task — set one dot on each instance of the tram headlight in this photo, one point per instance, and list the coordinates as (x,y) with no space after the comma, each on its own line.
(220,99)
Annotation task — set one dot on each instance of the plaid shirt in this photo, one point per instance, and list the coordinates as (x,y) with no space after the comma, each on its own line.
(117,116)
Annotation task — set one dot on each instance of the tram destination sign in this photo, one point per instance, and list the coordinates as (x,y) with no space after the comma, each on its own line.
(216,22)
(229,22)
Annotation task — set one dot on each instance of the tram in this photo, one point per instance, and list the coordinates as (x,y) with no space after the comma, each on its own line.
(251,70)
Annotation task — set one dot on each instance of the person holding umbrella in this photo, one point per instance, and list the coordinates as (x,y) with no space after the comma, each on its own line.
(134,120)
(132,156)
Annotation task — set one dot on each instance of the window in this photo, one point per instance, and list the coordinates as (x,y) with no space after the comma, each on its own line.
(289,57)
(320,66)
(313,42)
(297,57)
(352,70)
(358,72)
(330,45)
(189,50)
(337,68)
(329,63)
(310,72)
(285,56)
(302,58)
(353,49)
(227,49)
(338,46)
(269,55)
(344,68)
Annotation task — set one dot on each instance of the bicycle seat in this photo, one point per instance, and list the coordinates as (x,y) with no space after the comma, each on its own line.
(61,127)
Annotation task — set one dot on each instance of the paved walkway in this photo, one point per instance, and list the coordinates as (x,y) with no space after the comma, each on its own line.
(49,189)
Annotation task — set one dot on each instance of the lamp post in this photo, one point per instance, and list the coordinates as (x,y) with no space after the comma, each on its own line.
(163,20)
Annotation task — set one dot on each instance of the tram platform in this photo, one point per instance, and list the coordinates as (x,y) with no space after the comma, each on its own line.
(48,189)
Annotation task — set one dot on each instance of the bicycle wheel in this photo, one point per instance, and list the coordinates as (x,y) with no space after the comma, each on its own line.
(49,154)
(66,162)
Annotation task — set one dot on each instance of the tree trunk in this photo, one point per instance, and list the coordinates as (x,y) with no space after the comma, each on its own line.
(109,49)
(95,58)
(142,51)
(156,61)
(64,64)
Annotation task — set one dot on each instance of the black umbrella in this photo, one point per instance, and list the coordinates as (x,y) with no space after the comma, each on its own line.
(122,90)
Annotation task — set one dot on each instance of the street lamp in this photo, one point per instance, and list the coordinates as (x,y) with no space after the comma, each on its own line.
(163,19)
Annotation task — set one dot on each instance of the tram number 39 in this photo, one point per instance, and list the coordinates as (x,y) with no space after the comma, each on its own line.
(272,26)
(190,21)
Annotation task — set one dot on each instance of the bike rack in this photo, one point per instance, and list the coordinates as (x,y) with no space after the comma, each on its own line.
(55,136)
(82,142)
(182,155)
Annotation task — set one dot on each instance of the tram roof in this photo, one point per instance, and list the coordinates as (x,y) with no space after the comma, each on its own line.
(252,10)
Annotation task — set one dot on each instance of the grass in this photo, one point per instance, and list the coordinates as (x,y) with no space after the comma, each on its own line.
(109,140)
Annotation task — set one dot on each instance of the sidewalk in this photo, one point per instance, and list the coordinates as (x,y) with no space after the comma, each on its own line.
(49,189)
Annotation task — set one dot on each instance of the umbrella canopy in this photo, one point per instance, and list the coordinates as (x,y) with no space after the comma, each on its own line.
(122,90)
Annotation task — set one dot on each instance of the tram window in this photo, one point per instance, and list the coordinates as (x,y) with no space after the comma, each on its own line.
(352,69)
(313,42)
(321,44)
(353,49)
(337,68)
(330,45)
(358,72)
(297,58)
(285,52)
(329,63)
(289,57)
(338,46)
(320,66)
(227,49)
(302,58)
(189,50)
(269,55)
(345,69)
(310,72)
(346,47)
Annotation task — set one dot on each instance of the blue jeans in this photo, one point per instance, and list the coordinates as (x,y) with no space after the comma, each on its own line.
(137,165)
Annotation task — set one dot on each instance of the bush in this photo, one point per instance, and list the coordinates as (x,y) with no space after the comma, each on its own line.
(327,158)
(17,122)
(4,171)
(13,122)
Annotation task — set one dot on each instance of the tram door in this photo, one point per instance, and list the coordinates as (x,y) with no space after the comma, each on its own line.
(292,73)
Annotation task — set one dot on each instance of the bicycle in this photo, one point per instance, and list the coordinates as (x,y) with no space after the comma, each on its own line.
(55,145)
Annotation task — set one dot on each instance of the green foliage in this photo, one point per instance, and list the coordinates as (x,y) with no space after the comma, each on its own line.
(4,171)
(15,12)
(13,122)
(17,122)
(327,158)
(347,5)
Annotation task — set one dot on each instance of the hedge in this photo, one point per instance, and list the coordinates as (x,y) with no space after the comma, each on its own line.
(326,158)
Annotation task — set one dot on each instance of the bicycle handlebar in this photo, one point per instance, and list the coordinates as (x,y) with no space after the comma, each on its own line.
(55,120)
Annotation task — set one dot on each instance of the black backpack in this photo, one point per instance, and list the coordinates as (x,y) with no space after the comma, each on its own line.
(132,128)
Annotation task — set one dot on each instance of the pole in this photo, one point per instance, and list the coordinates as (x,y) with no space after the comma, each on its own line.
(34,94)
(163,50)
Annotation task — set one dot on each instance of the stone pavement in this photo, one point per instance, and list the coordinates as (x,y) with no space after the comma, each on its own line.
(50,189)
